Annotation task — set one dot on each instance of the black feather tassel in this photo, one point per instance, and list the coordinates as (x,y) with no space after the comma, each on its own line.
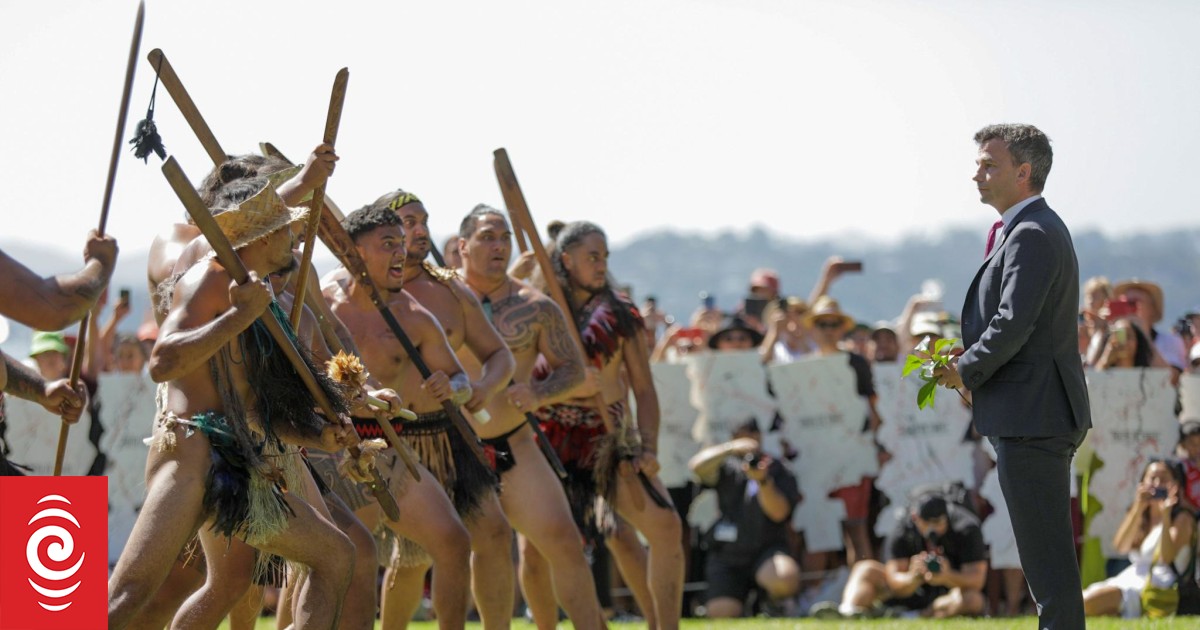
(146,139)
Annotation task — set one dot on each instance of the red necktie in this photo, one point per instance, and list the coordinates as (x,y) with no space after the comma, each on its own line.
(992,237)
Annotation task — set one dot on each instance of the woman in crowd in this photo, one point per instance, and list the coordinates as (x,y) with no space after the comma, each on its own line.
(1156,533)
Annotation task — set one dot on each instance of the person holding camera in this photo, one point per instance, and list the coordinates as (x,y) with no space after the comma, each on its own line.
(935,566)
(1156,533)
(747,547)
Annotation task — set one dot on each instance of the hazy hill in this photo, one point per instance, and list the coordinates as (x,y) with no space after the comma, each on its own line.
(676,267)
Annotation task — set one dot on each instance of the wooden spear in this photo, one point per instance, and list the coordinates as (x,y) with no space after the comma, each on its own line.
(187,107)
(118,141)
(514,199)
(233,264)
(332,120)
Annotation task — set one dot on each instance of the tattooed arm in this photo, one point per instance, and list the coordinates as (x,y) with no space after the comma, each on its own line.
(56,396)
(55,302)
(561,353)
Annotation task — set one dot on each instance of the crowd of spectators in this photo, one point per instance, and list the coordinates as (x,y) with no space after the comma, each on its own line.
(935,562)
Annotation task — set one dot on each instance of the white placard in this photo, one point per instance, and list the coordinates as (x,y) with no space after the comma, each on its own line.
(33,437)
(823,419)
(1133,419)
(926,445)
(127,411)
(728,388)
(677,418)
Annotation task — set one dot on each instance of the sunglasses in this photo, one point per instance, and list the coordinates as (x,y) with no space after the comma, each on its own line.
(828,324)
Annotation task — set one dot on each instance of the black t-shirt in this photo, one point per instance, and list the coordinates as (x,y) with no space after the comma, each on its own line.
(862,374)
(962,544)
(738,502)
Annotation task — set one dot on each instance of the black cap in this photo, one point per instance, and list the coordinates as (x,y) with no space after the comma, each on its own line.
(930,506)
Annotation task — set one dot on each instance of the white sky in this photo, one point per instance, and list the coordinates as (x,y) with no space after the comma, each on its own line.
(813,118)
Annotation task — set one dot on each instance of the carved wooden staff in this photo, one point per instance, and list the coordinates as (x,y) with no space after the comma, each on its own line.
(187,107)
(118,140)
(332,120)
(233,264)
(339,242)
(519,211)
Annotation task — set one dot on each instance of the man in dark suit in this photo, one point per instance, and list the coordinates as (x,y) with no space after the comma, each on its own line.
(1022,363)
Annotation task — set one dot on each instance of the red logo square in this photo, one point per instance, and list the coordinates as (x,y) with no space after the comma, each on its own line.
(53,553)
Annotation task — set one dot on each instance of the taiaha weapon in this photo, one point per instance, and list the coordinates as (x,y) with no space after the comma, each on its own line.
(514,199)
(233,265)
(339,242)
(170,81)
(332,120)
(118,140)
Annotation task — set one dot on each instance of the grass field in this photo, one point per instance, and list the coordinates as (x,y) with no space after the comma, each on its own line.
(1019,623)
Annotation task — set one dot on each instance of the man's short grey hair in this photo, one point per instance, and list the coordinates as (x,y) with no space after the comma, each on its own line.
(1026,143)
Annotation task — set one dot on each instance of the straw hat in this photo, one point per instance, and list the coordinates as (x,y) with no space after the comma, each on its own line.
(257,217)
(1153,290)
(827,307)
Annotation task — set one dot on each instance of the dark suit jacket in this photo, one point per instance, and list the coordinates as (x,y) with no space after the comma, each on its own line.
(1019,325)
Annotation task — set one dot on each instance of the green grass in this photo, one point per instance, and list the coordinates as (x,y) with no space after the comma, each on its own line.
(1020,623)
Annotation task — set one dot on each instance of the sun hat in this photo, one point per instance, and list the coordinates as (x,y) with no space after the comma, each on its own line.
(48,342)
(1153,290)
(731,325)
(827,307)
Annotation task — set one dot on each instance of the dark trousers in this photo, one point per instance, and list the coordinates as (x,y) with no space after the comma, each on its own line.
(1035,475)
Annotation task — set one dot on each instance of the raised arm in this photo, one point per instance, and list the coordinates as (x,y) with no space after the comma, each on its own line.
(55,302)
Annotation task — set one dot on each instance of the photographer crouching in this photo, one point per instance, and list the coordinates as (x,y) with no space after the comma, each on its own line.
(747,547)
(936,566)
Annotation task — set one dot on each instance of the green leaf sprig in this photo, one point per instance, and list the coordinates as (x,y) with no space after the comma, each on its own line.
(927,360)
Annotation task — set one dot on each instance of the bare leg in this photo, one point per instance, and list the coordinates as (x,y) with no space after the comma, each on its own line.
(860,542)
(403,588)
(538,586)
(247,610)
(779,576)
(171,514)
(311,540)
(491,564)
(1015,589)
(661,528)
(867,584)
(230,564)
(436,527)
(547,525)
(358,613)
(1102,600)
(957,603)
(633,563)
(181,582)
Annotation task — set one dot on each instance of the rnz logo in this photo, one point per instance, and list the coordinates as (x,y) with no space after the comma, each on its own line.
(54,553)
(60,550)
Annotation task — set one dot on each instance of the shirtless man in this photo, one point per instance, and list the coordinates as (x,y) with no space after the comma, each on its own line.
(209,428)
(168,245)
(466,328)
(611,329)
(530,324)
(174,251)
(438,530)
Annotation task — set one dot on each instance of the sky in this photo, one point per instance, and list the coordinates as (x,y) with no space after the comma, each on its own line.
(813,119)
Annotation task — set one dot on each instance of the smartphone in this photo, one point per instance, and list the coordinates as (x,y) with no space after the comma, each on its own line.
(1158,493)
(707,300)
(1120,335)
(851,266)
(124,296)
(754,306)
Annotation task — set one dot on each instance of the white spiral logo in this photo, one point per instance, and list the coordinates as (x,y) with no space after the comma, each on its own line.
(59,551)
